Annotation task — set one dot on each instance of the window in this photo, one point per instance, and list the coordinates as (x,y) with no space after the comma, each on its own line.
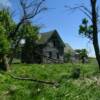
(50,54)
(54,43)
(57,55)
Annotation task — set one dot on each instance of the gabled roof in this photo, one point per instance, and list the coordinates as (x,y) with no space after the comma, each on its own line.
(44,37)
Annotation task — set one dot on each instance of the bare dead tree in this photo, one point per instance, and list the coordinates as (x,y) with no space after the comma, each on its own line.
(30,9)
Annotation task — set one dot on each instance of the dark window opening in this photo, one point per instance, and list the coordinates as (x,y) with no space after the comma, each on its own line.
(57,55)
(54,43)
(50,54)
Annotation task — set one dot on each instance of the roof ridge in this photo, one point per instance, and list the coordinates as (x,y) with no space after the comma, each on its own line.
(48,31)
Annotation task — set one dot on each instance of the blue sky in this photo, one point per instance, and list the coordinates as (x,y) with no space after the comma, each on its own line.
(57,17)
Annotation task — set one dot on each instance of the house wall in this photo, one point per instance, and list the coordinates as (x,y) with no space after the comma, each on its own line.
(57,53)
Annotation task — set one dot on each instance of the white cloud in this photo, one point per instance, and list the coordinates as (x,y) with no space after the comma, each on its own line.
(5,4)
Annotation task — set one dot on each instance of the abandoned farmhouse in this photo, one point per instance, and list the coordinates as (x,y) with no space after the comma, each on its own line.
(48,49)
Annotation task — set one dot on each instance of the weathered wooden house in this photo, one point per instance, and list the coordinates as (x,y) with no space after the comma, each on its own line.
(48,49)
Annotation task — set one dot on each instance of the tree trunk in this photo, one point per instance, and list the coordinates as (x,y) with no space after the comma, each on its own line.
(14,50)
(95,31)
(5,64)
(96,48)
(11,58)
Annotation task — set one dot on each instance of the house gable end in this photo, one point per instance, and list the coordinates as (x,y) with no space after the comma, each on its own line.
(54,34)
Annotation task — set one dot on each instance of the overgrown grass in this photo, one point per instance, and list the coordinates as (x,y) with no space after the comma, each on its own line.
(87,87)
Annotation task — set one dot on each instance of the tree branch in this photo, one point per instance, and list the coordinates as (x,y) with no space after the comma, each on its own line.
(35,9)
(82,8)
(35,80)
(29,12)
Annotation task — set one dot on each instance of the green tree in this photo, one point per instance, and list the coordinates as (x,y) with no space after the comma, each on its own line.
(4,48)
(12,31)
(6,26)
(30,9)
(9,45)
(82,54)
(26,31)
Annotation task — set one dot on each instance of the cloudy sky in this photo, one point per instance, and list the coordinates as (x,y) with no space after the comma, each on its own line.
(66,23)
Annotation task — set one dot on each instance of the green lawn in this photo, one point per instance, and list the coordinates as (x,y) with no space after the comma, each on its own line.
(87,87)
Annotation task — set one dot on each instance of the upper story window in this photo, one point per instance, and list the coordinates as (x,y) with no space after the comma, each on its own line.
(54,43)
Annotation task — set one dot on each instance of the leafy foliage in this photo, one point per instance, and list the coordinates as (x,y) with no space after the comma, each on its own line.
(82,52)
(28,31)
(6,20)
(11,35)
(85,29)
(4,43)
(6,26)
